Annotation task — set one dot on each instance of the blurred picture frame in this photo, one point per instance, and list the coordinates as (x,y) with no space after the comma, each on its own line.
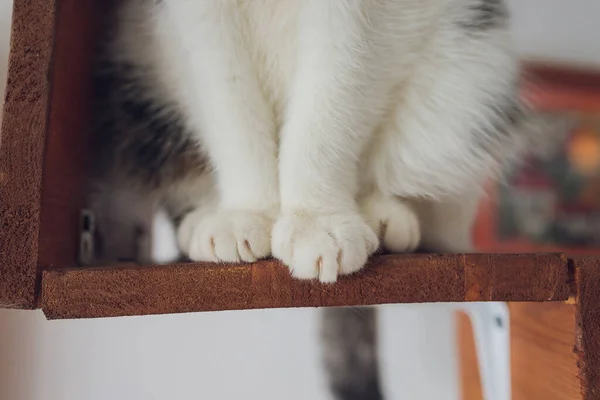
(551,201)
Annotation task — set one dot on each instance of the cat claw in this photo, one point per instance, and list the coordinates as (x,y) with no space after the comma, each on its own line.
(226,236)
(395,222)
(323,247)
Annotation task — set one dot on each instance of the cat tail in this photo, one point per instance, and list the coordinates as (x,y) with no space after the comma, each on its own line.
(349,348)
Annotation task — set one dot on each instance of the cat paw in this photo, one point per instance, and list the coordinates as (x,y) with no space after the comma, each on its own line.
(323,246)
(226,236)
(394,221)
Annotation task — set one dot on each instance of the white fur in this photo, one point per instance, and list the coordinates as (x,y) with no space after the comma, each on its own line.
(225,235)
(306,107)
(163,248)
(394,221)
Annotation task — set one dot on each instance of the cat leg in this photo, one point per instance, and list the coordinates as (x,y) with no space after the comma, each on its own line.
(331,116)
(236,128)
(394,220)
(455,122)
(440,225)
(209,233)
(447,224)
(163,243)
(453,128)
(122,219)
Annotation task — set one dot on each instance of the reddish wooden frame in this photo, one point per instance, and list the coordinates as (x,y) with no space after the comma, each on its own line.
(549,87)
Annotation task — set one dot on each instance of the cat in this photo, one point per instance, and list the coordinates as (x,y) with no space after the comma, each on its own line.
(315,131)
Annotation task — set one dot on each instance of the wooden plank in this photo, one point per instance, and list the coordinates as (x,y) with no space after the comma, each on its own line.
(414,278)
(588,325)
(544,364)
(470,380)
(565,74)
(43,147)
(67,152)
(22,141)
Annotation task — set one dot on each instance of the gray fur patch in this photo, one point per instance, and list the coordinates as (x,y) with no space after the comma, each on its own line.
(349,342)
(501,125)
(140,138)
(484,15)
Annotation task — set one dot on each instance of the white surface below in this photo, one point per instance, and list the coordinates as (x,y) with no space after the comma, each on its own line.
(260,355)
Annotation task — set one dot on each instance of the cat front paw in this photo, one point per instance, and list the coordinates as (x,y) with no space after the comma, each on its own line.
(323,246)
(394,221)
(226,235)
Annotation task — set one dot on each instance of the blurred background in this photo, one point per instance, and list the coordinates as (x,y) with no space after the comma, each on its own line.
(550,202)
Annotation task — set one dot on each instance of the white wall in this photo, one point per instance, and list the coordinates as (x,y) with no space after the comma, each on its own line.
(561,30)
(253,355)
(229,355)
(259,354)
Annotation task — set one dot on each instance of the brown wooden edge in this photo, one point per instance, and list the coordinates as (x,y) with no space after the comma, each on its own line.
(415,278)
(22,143)
(567,75)
(468,365)
(42,147)
(67,152)
(543,365)
(587,273)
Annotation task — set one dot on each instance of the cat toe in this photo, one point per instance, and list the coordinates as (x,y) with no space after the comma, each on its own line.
(226,236)
(323,246)
(394,221)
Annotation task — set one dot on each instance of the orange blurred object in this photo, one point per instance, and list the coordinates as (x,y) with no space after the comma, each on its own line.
(584,150)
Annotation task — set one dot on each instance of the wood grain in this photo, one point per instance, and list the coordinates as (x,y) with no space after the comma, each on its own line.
(544,364)
(565,75)
(588,325)
(416,278)
(67,150)
(43,148)
(470,380)
(543,361)
(22,144)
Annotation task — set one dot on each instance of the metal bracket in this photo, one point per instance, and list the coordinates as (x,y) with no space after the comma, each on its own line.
(87,231)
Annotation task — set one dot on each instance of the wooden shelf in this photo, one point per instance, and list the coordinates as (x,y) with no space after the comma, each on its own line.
(417,278)
(587,276)
(43,148)
(555,347)
(543,363)
(43,160)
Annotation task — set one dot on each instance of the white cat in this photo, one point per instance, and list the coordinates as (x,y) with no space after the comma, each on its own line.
(311,130)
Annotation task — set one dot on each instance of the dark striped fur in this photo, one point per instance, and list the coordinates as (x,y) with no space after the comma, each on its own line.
(349,341)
